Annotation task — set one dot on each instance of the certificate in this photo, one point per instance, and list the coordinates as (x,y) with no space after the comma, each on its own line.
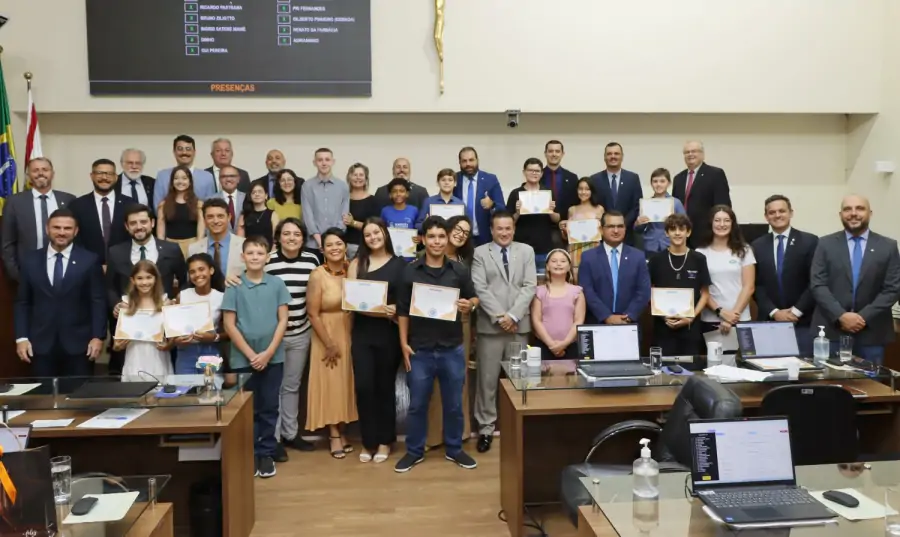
(535,202)
(142,326)
(669,302)
(364,295)
(583,231)
(447,210)
(657,209)
(403,241)
(433,302)
(185,319)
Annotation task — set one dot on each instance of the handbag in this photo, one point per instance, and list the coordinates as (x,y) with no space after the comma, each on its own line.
(27,508)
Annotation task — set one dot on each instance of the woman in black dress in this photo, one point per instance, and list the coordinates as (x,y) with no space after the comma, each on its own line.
(362,207)
(375,343)
(257,220)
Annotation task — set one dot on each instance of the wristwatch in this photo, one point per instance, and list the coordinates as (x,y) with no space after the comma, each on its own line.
(718,311)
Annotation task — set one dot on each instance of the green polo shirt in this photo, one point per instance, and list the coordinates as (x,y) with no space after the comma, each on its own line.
(256,310)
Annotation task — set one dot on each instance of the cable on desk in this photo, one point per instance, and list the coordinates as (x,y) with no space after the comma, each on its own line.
(534,524)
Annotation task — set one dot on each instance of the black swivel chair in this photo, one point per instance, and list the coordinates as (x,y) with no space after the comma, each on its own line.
(822,419)
(699,398)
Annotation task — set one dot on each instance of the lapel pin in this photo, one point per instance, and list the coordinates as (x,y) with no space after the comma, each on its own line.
(792,242)
(626,258)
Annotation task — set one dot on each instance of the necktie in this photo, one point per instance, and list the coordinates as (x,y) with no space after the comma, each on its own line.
(614,188)
(505,262)
(105,219)
(779,262)
(856,264)
(687,189)
(143,253)
(552,180)
(134,194)
(231,210)
(217,256)
(44,218)
(58,271)
(614,267)
(470,199)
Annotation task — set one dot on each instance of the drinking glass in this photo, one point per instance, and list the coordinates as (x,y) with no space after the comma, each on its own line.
(514,354)
(846,350)
(61,472)
(891,510)
(656,358)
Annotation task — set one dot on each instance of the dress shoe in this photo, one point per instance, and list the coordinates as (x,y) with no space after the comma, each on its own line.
(484,443)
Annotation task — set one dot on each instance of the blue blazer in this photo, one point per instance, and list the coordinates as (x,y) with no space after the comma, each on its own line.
(595,276)
(485,183)
(628,200)
(72,315)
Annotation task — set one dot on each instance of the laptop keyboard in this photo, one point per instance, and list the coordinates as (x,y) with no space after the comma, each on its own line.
(619,370)
(757,498)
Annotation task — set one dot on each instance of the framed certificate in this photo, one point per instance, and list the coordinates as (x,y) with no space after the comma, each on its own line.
(580,231)
(433,302)
(185,319)
(403,241)
(657,209)
(535,202)
(670,302)
(142,326)
(364,295)
(446,210)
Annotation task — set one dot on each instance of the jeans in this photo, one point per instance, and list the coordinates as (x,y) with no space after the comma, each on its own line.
(296,354)
(265,386)
(540,263)
(448,366)
(186,357)
(870,353)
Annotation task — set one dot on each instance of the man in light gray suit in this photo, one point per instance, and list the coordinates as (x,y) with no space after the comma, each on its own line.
(855,279)
(230,178)
(25,215)
(504,276)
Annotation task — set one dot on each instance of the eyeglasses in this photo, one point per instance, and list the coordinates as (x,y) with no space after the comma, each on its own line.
(534,172)
(183,148)
(104,174)
(461,231)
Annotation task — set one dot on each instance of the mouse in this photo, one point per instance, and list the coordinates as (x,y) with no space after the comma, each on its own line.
(5,387)
(84,505)
(840,498)
(676,368)
(168,388)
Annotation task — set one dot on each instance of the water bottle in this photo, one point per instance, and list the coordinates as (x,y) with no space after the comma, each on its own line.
(821,347)
(646,473)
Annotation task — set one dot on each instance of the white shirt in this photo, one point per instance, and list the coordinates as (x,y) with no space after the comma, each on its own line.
(216,184)
(111,201)
(51,206)
(139,185)
(787,234)
(51,261)
(725,273)
(190,296)
(151,253)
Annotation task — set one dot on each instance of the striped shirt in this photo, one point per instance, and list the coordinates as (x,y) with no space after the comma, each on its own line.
(295,275)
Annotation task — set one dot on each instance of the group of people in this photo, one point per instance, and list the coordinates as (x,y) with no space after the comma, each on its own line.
(271,265)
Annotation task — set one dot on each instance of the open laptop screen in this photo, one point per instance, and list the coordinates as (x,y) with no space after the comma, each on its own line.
(8,438)
(746,451)
(609,343)
(767,340)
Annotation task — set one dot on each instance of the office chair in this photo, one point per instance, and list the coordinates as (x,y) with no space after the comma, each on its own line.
(822,419)
(699,398)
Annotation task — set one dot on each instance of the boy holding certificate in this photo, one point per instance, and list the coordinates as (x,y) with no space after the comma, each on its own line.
(446,180)
(678,268)
(399,215)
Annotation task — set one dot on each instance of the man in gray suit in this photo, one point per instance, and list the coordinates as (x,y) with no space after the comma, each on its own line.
(25,215)
(230,178)
(855,279)
(504,275)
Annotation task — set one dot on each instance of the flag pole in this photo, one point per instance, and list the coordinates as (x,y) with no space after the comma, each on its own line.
(28,76)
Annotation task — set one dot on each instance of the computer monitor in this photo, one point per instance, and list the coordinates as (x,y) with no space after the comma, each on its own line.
(609,342)
(767,339)
(14,438)
(741,451)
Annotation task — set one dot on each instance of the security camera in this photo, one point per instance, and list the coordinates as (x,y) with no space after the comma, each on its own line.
(3,20)
(512,118)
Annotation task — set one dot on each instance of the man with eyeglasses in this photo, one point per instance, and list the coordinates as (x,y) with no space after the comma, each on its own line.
(615,277)
(184,149)
(230,178)
(101,213)
(699,188)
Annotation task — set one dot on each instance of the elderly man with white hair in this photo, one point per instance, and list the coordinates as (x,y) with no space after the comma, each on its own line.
(699,188)
(132,181)
(222,154)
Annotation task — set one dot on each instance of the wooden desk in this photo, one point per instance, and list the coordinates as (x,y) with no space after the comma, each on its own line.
(555,428)
(157,521)
(136,449)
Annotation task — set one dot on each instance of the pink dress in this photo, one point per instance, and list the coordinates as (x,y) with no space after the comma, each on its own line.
(558,315)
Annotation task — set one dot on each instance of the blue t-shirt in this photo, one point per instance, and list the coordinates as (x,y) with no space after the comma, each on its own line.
(405,219)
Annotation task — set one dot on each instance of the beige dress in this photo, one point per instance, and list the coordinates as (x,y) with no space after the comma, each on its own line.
(332,398)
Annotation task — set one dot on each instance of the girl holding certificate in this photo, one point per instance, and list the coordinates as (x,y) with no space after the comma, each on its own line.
(557,309)
(331,398)
(587,208)
(145,297)
(678,268)
(375,343)
(732,270)
(207,285)
(179,213)
(534,225)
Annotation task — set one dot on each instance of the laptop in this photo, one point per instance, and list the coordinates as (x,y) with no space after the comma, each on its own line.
(742,469)
(608,350)
(112,390)
(14,438)
(770,346)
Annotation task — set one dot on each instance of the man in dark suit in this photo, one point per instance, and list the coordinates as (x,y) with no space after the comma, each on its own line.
(100,214)
(275,162)
(222,155)
(417,193)
(783,261)
(25,215)
(561,181)
(855,279)
(619,189)
(614,276)
(699,188)
(122,257)
(481,193)
(136,185)
(60,309)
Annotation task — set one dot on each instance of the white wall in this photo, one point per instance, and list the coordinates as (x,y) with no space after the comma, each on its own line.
(640,56)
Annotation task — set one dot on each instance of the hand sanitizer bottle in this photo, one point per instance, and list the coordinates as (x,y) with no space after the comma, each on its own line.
(646,473)
(821,347)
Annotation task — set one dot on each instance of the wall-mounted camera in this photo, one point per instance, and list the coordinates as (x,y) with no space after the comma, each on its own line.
(3,20)
(512,118)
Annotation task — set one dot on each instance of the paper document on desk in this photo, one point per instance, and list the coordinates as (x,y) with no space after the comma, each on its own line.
(866,510)
(735,374)
(50,424)
(19,389)
(11,414)
(729,341)
(113,418)
(109,508)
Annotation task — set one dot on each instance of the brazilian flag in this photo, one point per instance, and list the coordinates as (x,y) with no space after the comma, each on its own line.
(8,185)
